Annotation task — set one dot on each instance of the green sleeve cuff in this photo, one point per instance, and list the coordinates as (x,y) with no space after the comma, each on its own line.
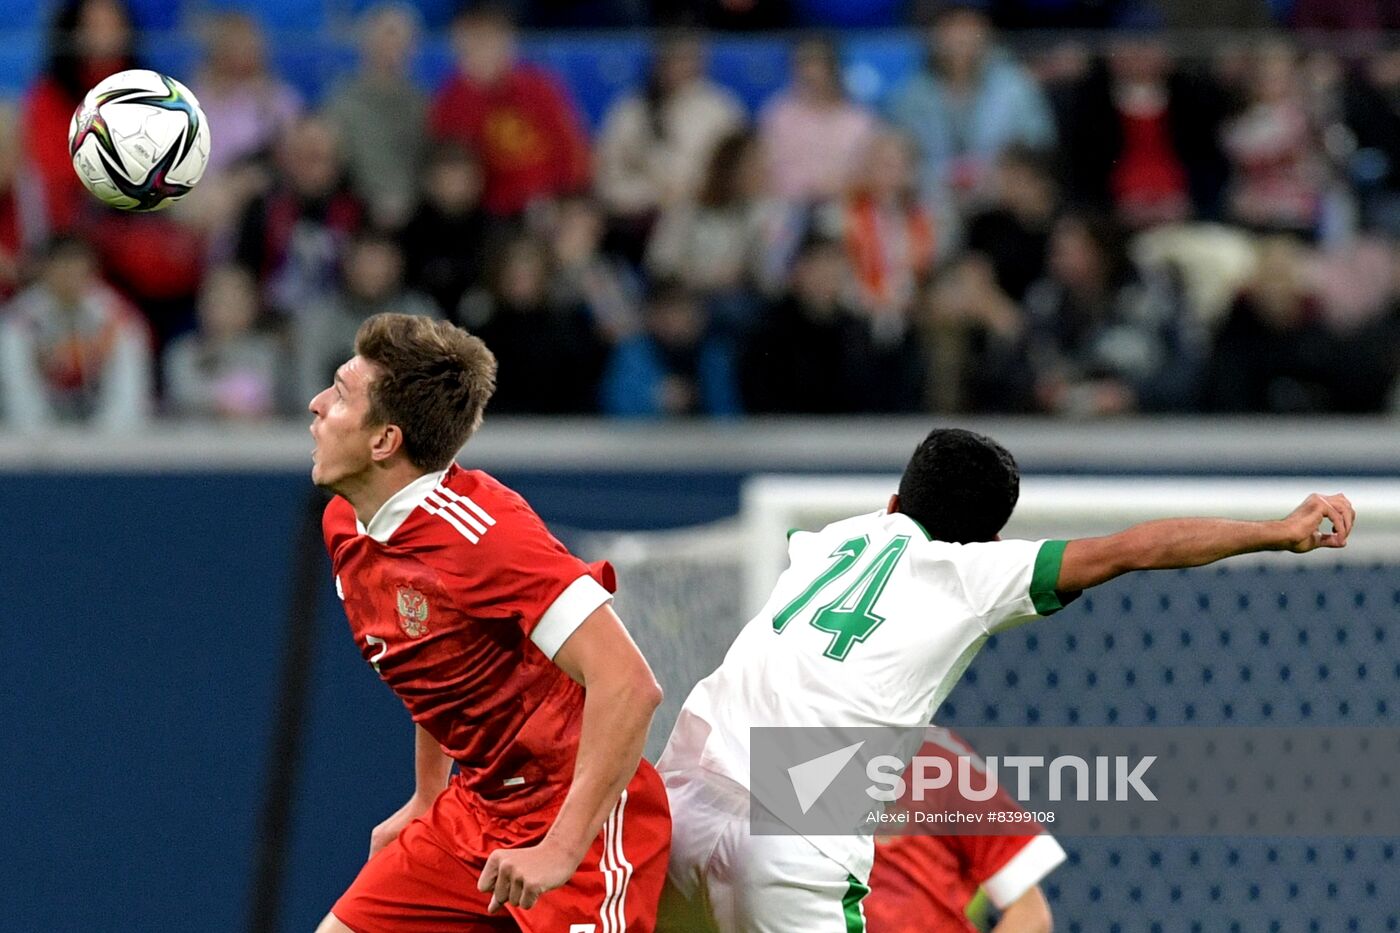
(1046,576)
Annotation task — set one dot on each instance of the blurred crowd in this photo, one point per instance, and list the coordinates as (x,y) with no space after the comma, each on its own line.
(1087,227)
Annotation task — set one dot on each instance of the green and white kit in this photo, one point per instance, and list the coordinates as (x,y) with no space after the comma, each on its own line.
(872,624)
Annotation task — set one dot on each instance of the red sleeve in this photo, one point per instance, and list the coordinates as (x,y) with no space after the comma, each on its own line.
(984,856)
(337,524)
(519,572)
(1005,866)
(47,113)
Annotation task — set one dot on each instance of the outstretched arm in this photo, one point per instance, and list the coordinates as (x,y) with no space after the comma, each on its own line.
(1193,542)
(620,695)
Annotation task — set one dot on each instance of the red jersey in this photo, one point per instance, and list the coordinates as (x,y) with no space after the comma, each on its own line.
(459,597)
(526,132)
(922,884)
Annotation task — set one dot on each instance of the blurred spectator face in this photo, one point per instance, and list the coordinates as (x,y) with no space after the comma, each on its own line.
(816,72)
(236,50)
(485,46)
(1275,74)
(373,269)
(228,303)
(454,182)
(1142,60)
(889,166)
(1277,289)
(675,321)
(961,37)
(523,275)
(103,30)
(390,34)
(1024,188)
(680,62)
(311,158)
(69,272)
(1075,259)
(9,145)
(819,276)
(578,231)
(1384,69)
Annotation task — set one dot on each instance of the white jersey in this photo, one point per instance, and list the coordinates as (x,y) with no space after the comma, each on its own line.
(872,624)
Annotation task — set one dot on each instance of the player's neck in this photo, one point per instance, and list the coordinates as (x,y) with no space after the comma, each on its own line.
(377,487)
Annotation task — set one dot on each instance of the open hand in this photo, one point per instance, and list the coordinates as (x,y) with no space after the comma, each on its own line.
(519,876)
(1303,528)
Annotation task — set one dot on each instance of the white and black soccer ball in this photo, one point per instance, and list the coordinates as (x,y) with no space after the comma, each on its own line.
(139,141)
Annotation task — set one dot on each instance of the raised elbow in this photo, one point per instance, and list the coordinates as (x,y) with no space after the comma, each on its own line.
(649,693)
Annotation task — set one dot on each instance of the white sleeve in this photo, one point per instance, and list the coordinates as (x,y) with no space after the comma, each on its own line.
(1010,582)
(24,403)
(1037,858)
(568,611)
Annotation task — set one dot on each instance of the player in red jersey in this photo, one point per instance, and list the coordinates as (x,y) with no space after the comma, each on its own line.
(506,651)
(922,884)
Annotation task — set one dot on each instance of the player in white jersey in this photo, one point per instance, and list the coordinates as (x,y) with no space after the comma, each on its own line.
(872,624)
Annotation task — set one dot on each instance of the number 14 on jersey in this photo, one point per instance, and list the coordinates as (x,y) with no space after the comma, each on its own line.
(850,617)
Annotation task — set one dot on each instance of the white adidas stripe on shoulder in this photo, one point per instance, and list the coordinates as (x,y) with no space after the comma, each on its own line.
(451,519)
(466,501)
(470,519)
(445,505)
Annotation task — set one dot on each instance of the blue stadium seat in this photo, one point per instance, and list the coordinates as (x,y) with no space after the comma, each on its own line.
(434,64)
(21,54)
(436,13)
(754,69)
(159,15)
(875,65)
(275,14)
(24,14)
(844,14)
(596,70)
(305,65)
(177,55)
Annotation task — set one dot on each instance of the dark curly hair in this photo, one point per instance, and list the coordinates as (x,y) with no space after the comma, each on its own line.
(960,486)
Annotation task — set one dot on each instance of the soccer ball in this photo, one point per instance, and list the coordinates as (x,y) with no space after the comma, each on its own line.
(139,141)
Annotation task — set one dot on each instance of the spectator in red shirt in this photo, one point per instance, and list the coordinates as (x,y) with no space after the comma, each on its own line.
(518,118)
(89,40)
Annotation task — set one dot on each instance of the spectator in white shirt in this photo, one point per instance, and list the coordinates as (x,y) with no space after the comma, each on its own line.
(73,350)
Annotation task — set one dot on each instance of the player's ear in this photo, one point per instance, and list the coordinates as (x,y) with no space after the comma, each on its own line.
(387,441)
(894,504)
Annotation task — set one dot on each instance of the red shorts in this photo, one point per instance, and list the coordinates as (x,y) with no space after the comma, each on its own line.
(425,880)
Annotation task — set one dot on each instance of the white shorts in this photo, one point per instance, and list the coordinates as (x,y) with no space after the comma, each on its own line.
(724,879)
